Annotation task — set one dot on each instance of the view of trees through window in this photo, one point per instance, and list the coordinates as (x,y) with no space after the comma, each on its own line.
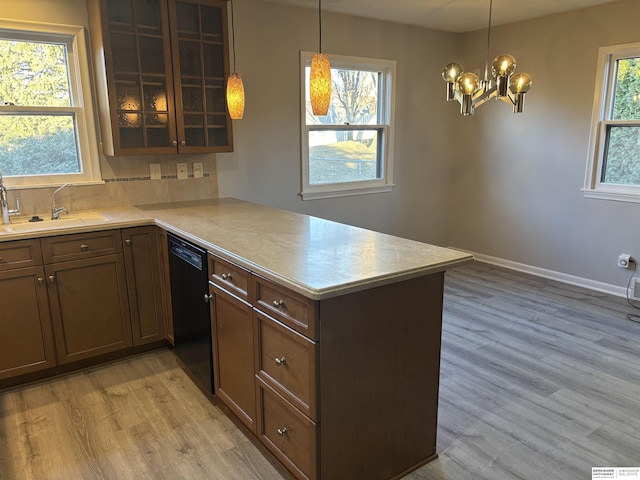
(37,123)
(347,152)
(622,152)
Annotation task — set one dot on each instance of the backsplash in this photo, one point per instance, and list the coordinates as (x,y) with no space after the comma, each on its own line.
(127,182)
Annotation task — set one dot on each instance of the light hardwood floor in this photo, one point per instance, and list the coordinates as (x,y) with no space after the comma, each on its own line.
(539,380)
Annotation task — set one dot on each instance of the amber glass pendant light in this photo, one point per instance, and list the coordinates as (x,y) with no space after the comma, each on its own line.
(320,77)
(235,88)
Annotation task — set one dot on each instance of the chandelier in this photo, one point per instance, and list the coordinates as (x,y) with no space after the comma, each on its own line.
(471,92)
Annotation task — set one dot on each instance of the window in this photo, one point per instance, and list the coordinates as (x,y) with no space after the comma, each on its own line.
(614,152)
(350,150)
(47,129)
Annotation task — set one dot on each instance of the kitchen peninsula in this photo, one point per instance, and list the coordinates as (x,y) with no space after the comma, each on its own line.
(343,332)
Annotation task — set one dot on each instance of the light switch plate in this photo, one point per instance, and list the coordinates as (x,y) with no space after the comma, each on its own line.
(155,172)
(183,173)
(197,170)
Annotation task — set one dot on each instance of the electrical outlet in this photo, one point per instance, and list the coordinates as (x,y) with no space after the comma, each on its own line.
(624,260)
(155,172)
(183,173)
(197,170)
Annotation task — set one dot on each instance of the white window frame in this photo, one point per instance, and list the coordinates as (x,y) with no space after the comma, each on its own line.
(387,113)
(600,120)
(81,100)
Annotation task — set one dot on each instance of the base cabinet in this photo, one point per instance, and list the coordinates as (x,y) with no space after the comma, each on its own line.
(144,284)
(89,306)
(232,341)
(26,342)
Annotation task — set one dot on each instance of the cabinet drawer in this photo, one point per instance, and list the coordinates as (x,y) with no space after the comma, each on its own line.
(287,433)
(292,309)
(231,277)
(18,254)
(287,362)
(81,245)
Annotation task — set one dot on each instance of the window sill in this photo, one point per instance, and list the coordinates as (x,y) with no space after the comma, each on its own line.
(344,192)
(617,196)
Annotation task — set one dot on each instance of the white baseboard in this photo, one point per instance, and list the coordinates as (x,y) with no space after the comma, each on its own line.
(553,275)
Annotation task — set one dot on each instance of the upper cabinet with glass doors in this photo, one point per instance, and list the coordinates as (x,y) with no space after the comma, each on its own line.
(160,75)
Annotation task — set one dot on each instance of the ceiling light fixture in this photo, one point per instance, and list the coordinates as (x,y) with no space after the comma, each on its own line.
(472,92)
(320,76)
(235,88)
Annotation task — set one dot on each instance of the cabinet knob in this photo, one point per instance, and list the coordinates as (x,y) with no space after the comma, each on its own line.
(278,303)
(51,278)
(40,281)
(207,297)
(183,143)
(281,361)
(127,241)
(84,247)
(282,431)
(226,276)
(174,143)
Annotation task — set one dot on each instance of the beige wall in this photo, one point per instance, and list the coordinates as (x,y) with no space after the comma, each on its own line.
(516,193)
(498,184)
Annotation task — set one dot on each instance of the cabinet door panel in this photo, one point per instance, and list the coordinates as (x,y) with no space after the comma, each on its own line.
(26,342)
(142,261)
(233,355)
(89,306)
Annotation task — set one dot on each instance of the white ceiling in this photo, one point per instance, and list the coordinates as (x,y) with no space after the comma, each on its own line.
(447,15)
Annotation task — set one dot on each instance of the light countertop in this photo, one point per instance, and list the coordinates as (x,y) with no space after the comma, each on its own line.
(315,257)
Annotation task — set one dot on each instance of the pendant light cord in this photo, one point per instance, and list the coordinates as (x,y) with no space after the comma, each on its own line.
(233,38)
(486,64)
(319,24)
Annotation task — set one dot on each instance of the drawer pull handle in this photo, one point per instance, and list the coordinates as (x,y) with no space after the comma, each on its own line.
(207,297)
(84,247)
(226,276)
(278,303)
(281,361)
(282,431)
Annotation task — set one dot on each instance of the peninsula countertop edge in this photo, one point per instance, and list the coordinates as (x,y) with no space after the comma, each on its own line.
(315,257)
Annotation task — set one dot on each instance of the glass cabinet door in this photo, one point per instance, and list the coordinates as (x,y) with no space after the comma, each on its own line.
(200,68)
(142,108)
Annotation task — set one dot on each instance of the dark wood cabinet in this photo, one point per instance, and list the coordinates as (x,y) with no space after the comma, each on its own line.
(163,247)
(233,342)
(144,284)
(89,307)
(26,342)
(160,70)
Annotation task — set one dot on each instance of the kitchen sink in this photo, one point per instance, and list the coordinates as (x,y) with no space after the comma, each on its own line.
(22,223)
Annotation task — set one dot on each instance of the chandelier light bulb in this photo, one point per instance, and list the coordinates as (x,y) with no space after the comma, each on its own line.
(451,72)
(520,83)
(468,83)
(503,65)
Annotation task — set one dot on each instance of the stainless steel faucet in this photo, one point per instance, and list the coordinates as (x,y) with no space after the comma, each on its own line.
(56,211)
(4,201)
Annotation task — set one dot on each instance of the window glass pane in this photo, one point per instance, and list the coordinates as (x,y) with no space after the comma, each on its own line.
(337,156)
(34,74)
(38,145)
(626,103)
(354,98)
(622,163)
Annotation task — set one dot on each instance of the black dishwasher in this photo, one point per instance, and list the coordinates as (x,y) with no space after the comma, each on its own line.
(191,321)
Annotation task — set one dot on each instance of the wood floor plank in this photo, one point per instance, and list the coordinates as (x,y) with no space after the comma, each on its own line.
(539,380)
